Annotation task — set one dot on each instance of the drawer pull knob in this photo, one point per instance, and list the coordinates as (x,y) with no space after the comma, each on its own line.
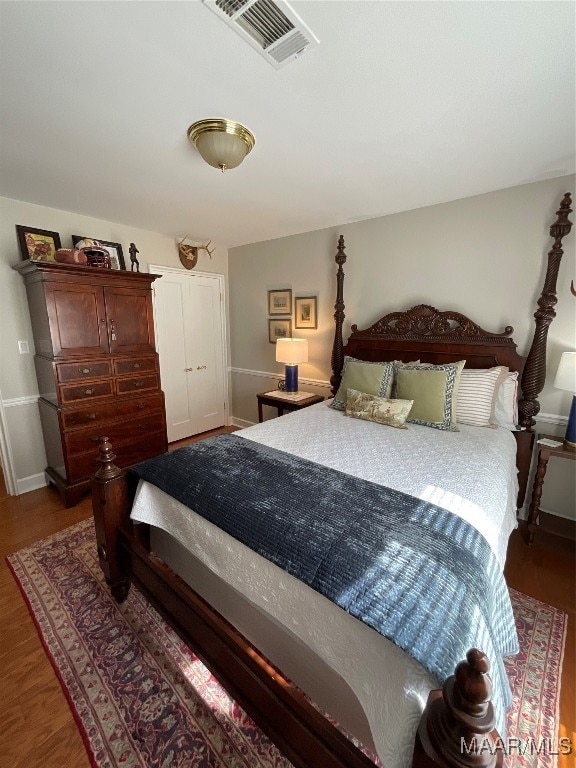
(140,406)
(91,416)
(85,370)
(95,438)
(89,391)
(138,384)
(136,365)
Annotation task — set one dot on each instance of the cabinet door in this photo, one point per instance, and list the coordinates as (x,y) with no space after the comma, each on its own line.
(130,320)
(77,318)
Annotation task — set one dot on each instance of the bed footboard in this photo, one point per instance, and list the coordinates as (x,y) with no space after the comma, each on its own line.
(454,728)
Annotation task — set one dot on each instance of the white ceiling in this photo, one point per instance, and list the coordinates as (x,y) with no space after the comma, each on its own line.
(402,105)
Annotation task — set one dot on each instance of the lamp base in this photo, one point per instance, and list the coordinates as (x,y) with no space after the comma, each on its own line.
(570,436)
(291,384)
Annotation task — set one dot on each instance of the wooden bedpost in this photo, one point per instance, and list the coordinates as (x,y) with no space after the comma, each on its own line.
(338,346)
(534,375)
(457,726)
(111,510)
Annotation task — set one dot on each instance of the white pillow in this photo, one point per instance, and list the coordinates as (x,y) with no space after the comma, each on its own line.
(477,393)
(506,407)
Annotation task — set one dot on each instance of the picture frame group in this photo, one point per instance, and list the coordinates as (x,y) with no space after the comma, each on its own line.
(280,303)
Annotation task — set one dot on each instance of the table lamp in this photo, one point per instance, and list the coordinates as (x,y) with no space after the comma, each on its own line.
(566,379)
(291,352)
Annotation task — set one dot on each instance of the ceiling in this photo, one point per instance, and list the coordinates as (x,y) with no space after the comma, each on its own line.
(402,105)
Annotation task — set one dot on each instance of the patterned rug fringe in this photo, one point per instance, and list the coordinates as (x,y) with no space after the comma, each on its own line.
(141,698)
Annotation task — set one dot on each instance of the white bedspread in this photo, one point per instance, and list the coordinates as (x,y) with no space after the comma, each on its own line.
(377,690)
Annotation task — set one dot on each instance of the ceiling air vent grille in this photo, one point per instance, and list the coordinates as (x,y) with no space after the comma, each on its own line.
(272,27)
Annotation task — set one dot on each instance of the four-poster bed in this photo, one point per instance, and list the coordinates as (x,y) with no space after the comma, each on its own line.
(306,737)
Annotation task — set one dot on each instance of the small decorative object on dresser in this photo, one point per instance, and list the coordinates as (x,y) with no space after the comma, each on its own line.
(97,368)
(37,244)
(280,302)
(133,251)
(306,312)
(114,250)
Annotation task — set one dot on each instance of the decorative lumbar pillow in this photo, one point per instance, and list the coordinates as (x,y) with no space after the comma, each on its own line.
(506,406)
(372,378)
(382,410)
(434,389)
(477,395)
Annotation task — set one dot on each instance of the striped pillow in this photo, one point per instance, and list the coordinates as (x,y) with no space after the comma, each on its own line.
(477,395)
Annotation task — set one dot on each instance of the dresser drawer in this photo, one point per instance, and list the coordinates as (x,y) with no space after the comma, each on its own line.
(100,412)
(83,466)
(136,384)
(75,371)
(134,365)
(81,440)
(70,393)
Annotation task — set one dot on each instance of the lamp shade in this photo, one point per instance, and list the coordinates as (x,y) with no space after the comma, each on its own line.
(566,374)
(292,351)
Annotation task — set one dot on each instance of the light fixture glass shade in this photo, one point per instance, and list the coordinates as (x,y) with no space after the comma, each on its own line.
(292,351)
(566,374)
(222,143)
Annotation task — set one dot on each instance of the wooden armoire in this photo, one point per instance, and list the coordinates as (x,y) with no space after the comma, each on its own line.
(97,368)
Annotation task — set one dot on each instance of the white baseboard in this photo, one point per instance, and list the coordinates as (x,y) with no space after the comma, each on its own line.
(31,483)
(242,423)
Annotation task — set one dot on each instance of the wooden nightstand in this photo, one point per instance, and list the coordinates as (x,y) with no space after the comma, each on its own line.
(282,401)
(544,454)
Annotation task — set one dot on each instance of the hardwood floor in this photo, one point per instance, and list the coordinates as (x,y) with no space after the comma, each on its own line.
(38,730)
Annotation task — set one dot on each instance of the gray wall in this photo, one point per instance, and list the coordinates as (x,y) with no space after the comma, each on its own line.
(484,256)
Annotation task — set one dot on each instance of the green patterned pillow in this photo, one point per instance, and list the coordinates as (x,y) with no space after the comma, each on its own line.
(382,410)
(372,378)
(434,389)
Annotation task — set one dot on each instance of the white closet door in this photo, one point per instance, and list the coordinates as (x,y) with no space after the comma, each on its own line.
(190,339)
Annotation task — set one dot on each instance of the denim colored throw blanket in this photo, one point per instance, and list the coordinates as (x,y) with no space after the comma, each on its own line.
(415,572)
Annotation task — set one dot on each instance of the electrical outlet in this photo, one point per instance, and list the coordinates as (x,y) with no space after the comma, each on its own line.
(23,347)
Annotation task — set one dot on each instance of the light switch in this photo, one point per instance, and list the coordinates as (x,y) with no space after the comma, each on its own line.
(23,347)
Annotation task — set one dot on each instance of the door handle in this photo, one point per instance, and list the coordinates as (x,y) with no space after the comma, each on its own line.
(200,367)
(188,369)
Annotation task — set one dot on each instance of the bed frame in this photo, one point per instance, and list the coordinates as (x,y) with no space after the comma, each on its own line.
(462,709)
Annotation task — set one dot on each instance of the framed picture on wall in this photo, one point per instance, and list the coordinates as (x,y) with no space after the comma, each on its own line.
(280,302)
(279,329)
(37,244)
(114,249)
(306,312)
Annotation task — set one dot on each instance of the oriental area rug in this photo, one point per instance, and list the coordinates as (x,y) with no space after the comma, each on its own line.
(142,699)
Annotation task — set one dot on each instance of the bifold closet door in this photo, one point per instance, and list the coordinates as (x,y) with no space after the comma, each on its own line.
(190,343)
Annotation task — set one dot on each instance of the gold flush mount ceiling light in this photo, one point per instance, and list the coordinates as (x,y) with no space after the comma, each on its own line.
(222,143)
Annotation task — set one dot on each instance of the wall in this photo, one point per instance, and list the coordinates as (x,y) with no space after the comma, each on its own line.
(18,389)
(484,256)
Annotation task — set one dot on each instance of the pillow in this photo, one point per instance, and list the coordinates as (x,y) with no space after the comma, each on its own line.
(434,389)
(506,406)
(382,410)
(371,378)
(477,395)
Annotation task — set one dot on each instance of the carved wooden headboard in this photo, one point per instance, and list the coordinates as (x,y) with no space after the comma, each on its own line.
(436,336)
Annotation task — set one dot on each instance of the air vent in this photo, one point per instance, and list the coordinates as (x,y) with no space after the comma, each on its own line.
(272,27)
